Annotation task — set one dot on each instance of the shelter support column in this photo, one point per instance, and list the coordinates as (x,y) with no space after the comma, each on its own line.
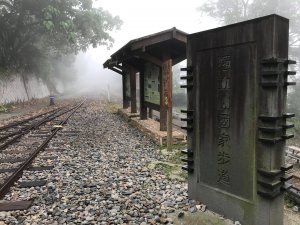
(125,101)
(143,108)
(133,90)
(166,95)
(150,113)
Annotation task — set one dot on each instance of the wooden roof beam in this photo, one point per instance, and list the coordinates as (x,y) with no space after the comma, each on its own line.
(178,60)
(147,57)
(117,70)
(122,67)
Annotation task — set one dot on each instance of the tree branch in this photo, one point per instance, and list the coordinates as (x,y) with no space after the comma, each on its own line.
(6,4)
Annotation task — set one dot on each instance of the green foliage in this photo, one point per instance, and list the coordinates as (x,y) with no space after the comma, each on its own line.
(3,109)
(6,108)
(36,33)
(294,101)
(176,79)
(289,201)
(232,11)
(296,122)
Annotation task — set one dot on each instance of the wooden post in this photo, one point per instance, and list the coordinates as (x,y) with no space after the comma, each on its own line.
(125,102)
(151,113)
(143,108)
(133,90)
(163,98)
(167,98)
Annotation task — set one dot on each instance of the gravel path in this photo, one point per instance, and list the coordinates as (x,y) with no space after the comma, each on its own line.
(101,177)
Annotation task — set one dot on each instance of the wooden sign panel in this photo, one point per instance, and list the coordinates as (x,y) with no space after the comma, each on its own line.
(152,84)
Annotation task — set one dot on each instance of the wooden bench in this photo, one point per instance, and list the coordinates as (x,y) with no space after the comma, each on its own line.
(293,152)
(294,149)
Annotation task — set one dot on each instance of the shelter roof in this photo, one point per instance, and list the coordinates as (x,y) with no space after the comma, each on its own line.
(153,48)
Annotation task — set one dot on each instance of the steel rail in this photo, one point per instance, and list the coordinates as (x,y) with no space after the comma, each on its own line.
(13,124)
(31,127)
(18,173)
(53,112)
(294,193)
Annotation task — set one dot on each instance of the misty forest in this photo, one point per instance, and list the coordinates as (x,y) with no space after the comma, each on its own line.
(44,37)
(150,112)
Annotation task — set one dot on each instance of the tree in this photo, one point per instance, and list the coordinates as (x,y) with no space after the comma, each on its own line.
(232,11)
(36,32)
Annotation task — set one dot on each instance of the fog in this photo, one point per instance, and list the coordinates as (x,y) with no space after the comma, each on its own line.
(140,18)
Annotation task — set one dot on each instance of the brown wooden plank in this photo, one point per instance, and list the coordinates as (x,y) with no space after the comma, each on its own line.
(49,157)
(133,91)
(39,135)
(16,152)
(125,101)
(54,150)
(165,93)
(150,58)
(167,73)
(11,160)
(9,170)
(15,205)
(40,168)
(151,113)
(35,183)
(143,108)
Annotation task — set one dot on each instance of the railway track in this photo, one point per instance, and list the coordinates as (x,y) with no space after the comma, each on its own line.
(294,191)
(292,156)
(21,144)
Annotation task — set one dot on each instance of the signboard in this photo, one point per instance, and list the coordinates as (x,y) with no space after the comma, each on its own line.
(152,84)
(230,132)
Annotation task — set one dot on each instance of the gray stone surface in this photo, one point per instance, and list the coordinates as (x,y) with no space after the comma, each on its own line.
(15,88)
(231,140)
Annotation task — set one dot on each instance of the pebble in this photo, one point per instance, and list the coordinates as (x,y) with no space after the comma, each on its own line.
(102,177)
(180,215)
(295,208)
(193,209)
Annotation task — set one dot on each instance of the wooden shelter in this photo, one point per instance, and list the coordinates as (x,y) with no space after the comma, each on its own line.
(152,57)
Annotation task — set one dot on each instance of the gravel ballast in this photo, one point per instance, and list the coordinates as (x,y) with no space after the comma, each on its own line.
(100,177)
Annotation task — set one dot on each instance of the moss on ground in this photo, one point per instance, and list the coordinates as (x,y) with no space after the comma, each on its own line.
(6,108)
(112,107)
(171,163)
(200,219)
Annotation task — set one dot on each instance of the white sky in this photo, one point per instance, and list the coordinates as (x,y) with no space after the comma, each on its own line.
(141,18)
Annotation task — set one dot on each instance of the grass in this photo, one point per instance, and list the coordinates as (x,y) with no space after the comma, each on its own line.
(112,107)
(174,155)
(7,108)
(289,201)
(171,163)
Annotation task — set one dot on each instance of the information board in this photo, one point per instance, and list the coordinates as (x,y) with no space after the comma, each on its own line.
(152,84)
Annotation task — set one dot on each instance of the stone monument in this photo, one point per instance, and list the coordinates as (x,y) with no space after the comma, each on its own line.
(237,79)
